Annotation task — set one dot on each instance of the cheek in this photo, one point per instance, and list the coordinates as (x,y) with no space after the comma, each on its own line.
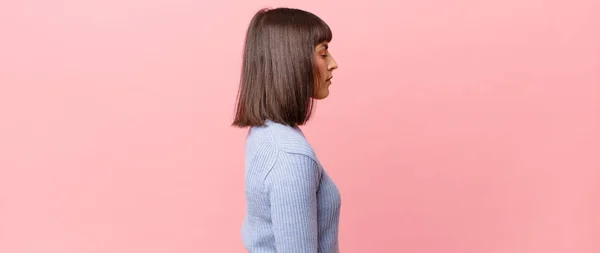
(322,66)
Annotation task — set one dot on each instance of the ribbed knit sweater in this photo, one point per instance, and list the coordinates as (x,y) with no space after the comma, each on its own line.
(292,206)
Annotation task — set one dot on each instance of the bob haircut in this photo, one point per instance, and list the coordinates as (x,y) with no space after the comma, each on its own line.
(278,67)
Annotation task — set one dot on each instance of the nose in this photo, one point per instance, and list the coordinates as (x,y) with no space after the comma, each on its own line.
(332,64)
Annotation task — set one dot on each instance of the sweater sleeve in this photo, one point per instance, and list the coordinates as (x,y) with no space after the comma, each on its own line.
(292,187)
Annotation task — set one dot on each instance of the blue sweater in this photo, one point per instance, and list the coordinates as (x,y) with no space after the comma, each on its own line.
(292,206)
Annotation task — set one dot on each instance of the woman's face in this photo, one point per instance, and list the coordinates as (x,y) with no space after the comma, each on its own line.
(325,65)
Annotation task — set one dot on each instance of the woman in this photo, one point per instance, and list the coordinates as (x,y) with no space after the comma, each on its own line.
(292,206)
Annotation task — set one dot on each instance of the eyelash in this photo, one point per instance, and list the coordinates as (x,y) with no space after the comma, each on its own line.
(324,56)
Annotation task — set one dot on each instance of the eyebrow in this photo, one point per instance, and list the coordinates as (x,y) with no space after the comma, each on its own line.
(326,46)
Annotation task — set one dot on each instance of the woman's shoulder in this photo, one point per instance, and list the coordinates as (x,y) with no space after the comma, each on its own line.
(282,138)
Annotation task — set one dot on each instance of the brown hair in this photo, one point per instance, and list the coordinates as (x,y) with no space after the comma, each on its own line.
(278,69)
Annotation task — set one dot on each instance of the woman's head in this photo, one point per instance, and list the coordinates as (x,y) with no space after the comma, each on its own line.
(286,65)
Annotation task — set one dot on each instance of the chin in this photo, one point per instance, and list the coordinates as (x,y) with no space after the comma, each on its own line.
(322,95)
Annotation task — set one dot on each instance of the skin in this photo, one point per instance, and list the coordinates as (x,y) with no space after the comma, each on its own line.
(325,65)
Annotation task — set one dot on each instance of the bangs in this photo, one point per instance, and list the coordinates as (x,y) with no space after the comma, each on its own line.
(321,32)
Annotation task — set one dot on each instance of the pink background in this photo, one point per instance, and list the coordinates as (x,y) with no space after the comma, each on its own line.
(452,126)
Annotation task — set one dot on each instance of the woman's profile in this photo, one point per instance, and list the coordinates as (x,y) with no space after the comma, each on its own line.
(292,205)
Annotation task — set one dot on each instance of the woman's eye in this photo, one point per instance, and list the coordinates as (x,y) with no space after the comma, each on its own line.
(324,56)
